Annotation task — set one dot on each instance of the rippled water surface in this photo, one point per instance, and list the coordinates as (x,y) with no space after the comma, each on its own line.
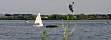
(84,30)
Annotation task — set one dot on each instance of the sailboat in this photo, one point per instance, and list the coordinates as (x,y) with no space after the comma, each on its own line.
(38,21)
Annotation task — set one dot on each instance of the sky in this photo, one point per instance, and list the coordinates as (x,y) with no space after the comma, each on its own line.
(48,7)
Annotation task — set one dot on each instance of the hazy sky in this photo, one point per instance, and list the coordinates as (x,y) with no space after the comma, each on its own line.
(55,6)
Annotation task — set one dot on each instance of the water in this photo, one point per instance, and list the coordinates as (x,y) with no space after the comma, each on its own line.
(85,30)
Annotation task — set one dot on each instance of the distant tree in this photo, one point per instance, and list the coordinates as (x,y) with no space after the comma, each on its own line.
(8,14)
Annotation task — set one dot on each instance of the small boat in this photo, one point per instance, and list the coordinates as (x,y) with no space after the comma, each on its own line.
(26,21)
(51,26)
(107,22)
(38,21)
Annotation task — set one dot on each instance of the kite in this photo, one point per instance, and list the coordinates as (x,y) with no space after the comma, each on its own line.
(71,8)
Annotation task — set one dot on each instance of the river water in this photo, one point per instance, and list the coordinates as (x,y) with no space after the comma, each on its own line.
(84,30)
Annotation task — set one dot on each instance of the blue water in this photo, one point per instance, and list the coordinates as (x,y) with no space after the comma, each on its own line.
(84,30)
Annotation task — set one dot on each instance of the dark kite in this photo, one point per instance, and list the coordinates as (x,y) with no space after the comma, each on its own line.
(71,8)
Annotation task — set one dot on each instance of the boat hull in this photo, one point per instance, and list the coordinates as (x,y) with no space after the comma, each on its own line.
(51,26)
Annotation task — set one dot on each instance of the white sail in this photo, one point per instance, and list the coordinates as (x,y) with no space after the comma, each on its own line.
(38,21)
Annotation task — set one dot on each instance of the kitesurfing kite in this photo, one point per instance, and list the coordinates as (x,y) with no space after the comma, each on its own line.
(71,7)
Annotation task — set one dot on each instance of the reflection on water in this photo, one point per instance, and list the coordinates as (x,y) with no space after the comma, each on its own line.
(85,30)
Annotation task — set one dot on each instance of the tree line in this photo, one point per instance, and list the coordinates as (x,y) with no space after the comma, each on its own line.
(56,17)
